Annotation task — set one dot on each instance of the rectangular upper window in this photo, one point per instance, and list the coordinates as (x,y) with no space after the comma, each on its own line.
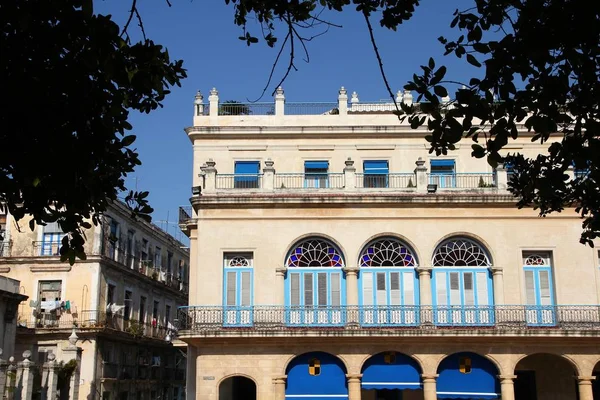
(315,174)
(246,174)
(376,173)
(443,166)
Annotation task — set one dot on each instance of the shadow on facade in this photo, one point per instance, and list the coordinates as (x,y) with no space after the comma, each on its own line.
(545,377)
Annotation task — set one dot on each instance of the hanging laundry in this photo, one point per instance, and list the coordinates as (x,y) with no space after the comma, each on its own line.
(48,305)
(68,305)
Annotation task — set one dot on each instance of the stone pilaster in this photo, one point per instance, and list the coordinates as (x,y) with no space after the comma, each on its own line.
(498,283)
(72,352)
(279,102)
(421,176)
(210,177)
(425,294)
(343,101)
(213,101)
(51,375)
(268,179)
(349,175)
(24,390)
(280,286)
(352,294)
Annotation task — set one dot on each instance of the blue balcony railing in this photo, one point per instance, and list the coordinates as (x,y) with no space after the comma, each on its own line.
(512,317)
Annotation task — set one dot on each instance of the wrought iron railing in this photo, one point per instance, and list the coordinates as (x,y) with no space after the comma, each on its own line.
(391,180)
(281,318)
(91,319)
(314,108)
(185,214)
(309,181)
(246,108)
(463,180)
(238,181)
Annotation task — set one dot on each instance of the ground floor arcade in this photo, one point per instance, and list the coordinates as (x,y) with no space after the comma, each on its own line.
(393,368)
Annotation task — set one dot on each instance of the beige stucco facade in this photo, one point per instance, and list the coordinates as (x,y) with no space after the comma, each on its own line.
(265,220)
(121,302)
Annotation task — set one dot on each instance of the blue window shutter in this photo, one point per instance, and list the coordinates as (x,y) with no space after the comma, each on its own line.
(442,163)
(316,165)
(247,167)
(376,167)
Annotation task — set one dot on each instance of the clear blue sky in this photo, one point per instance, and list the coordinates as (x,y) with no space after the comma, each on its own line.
(202,33)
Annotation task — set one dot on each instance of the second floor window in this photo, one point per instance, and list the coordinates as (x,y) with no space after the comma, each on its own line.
(315,174)
(246,174)
(128,301)
(50,291)
(443,173)
(51,239)
(375,173)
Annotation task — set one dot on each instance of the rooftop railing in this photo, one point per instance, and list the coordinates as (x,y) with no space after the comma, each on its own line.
(197,319)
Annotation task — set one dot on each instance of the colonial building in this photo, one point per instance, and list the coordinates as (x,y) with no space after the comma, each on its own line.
(118,306)
(333,257)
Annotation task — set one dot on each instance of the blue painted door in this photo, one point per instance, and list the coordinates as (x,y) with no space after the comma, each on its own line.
(316,174)
(462,296)
(315,297)
(443,173)
(237,295)
(539,295)
(388,296)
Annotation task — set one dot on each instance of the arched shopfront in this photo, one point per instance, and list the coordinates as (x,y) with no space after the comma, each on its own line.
(467,376)
(316,375)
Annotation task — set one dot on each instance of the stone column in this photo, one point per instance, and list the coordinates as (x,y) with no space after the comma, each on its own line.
(280,286)
(425,294)
(421,176)
(279,387)
(429,387)
(354,386)
(279,102)
(501,177)
(507,388)
(351,294)
(349,175)
(498,283)
(210,177)
(3,375)
(584,383)
(51,372)
(213,102)
(343,101)
(268,179)
(24,391)
(72,352)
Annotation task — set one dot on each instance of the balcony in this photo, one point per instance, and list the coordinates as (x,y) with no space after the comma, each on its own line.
(493,320)
(91,320)
(349,181)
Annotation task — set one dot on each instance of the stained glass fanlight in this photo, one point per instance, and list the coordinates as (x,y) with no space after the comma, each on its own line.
(315,253)
(460,253)
(387,252)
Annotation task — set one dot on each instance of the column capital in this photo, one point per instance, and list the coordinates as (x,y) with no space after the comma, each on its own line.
(350,270)
(497,270)
(429,377)
(354,377)
(279,380)
(507,377)
(280,271)
(422,270)
(585,380)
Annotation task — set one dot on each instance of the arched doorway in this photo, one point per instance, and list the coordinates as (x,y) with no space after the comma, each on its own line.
(545,377)
(467,376)
(316,375)
(462,283)
(388,284)
(237,388)
(391,376)
(315,290)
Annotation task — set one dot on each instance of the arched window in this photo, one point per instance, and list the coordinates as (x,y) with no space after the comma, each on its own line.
(462,283)
(314,287)
(388,283)
(315,253)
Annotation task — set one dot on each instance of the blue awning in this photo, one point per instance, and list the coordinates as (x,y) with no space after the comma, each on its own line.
(316,164)
(247,167)
(375,167)
(442,163)
(399,372)
(467,376)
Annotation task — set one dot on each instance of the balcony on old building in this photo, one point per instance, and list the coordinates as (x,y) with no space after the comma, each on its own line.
(416,320)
